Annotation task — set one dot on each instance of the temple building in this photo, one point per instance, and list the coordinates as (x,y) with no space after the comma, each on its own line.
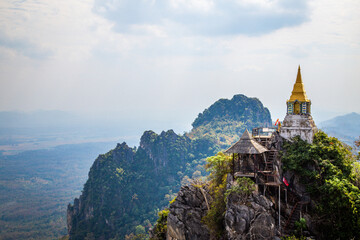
(256,157)
(298,120)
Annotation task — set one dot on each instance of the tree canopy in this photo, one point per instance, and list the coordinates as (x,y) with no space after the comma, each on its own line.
(328,170)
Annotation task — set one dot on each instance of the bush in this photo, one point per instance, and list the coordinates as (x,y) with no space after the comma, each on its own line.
(161,225)
(326,167)
(243,187)
(219,167)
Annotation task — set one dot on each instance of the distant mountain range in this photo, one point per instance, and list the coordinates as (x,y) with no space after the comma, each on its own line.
(346,127)
(21,131)
(55,176)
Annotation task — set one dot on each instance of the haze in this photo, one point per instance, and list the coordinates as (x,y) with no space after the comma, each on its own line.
(164,61)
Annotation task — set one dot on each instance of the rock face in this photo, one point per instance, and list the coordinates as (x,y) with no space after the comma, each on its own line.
(184,219)
(240,108)
(126,185)
(227,118)
(85,217)
(250,220)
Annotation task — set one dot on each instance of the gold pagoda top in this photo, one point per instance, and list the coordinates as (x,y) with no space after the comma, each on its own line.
(298,92)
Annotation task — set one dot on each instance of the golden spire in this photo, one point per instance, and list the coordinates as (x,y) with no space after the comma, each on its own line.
(298,92)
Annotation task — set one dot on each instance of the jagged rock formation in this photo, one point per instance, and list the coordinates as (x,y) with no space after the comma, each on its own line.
(126,186)
(226,120)
(249,219)
(240,108)
(87,216)
(184,219)
(253,219)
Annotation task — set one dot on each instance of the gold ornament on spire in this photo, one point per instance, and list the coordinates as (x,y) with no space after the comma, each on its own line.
(298,92)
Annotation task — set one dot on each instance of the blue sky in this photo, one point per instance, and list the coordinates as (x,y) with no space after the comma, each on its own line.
(166,60)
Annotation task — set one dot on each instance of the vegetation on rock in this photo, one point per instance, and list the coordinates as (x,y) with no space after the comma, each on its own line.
(243,187)
(127,186)
(161,225)
(326,168)
(226,120)
(219,166)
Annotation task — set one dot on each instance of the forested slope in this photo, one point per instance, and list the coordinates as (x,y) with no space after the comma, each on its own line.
(127,186)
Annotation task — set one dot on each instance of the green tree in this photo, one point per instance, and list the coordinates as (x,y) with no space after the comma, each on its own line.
(161,225)
(357,145)
(300,226)
(139,229)
(219,166)
(326,167)
(243,187)
(356,174)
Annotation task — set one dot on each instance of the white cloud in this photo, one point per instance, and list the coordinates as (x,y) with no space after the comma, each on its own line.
(205,17)
(60,27)
(172,59)
(200,6)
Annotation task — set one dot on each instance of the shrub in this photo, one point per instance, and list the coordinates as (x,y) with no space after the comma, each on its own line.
(243,187)
(219,166)
(161,225)
(326,167)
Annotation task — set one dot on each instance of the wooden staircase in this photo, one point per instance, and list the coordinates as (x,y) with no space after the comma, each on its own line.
(263,140)
(268,174)
(294,216)
(270,160)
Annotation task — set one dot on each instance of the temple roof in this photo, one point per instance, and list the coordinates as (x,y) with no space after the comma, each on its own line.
(246,145)
(298,92)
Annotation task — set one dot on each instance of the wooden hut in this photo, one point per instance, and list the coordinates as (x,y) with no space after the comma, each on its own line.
(251,159)
(247,155)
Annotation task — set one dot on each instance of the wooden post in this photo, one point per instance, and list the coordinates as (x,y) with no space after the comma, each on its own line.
(233,166)
(279,209)
(255,158)
(264,189)
(255,173)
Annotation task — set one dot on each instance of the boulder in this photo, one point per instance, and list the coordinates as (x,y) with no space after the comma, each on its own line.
(186,212)
(252,219)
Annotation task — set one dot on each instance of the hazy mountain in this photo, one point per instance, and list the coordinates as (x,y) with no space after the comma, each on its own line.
(345,127)
(20,131)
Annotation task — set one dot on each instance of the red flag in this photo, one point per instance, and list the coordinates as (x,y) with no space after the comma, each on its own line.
(285,181)
(277,121)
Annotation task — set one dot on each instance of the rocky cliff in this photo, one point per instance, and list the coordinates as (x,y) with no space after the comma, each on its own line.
(226,119)
(186,212)
(250,218)
(320,199)
(253,218)
(127,186)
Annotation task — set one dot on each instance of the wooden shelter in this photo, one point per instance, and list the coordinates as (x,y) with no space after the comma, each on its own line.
(251,159)
(247,153)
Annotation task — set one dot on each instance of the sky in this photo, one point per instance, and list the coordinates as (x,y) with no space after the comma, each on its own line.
(164,61)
